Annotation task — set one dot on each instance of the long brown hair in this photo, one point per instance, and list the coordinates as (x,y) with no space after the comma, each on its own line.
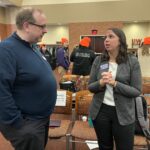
(122,54)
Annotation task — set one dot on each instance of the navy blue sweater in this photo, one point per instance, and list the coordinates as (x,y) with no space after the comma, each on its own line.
(27,84)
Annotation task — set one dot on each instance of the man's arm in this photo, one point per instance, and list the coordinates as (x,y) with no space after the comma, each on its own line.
(9,113)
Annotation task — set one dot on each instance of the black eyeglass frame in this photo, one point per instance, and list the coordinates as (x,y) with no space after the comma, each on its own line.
(38,25)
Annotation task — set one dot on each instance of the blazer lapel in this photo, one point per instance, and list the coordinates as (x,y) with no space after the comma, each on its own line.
(119,69)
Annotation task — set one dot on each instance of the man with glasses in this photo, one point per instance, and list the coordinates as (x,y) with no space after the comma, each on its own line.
(27,84)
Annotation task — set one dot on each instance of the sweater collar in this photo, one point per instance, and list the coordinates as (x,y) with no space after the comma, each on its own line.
(16,36)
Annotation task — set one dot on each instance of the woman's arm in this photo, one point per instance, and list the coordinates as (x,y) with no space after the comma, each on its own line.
(135,86)
(95,85)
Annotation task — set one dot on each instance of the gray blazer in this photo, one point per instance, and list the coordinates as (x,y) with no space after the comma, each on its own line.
(128,87)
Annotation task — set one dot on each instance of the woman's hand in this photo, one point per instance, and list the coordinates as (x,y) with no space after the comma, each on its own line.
(106,78)
(113,83)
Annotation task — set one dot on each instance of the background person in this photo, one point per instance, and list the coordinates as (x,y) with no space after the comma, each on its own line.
(82,58)
(62,56)
(27,84)
(115,80)
(49,57)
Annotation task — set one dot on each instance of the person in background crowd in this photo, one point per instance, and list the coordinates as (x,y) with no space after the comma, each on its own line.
(115,80)
(82,58)
(27,85)
(47,54)
(62,56)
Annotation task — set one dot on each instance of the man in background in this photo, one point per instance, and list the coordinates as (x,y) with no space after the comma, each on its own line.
(82,58)
(27,84)
(62,56)
(47,54)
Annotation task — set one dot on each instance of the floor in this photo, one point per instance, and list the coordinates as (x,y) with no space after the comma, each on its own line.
(51,145)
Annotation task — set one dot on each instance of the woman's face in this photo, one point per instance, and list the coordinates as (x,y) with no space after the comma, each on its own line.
(111,42)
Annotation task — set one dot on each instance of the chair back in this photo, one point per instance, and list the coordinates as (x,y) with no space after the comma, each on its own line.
(146,88)
(69,77)
(146,85)
(65,109)
(82,102)
(146,80)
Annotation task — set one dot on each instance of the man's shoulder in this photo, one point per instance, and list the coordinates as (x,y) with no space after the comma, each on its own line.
(60,48)
(91,51)
(6,49)
(8,42)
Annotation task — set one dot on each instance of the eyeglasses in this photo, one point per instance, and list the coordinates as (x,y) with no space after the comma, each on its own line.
(38,25)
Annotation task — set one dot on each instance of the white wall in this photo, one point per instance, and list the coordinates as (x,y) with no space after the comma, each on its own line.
(2,14)
(55,33)
(149,29)
(10,14)
(144,63)
(139,30)
(136,31)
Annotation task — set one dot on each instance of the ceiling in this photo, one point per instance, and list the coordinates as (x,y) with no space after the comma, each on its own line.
(72,11)
(39,2)
(6,3)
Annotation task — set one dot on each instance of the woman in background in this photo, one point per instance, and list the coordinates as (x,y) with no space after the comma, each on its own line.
(115,80)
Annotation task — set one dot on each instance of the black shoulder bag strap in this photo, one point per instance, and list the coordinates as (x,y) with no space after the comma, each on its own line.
(143,123)
(140,115)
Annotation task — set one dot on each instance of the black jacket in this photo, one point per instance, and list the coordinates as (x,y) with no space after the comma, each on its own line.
(82,59)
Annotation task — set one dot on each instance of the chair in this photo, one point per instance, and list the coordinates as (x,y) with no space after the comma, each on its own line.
(146,86)
(81,94)
(80,82)
(140,143)
(146,89)
(81,130)
(86,78)
(68,82)
(63,113)
(146,80)
(148,103)
(69,77)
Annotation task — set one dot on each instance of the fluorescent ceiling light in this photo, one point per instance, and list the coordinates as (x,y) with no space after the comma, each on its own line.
(33,2)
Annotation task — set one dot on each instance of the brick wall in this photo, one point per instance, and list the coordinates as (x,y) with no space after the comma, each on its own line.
(78,29)
(75,30)
(6,30)
(3,31)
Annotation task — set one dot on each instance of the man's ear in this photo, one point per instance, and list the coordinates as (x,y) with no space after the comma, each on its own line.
(26,26)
